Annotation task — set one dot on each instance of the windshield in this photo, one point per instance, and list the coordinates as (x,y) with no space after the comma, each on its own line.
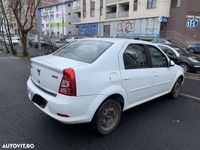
(85,50)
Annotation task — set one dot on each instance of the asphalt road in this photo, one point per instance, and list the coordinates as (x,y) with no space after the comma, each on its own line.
(162,124)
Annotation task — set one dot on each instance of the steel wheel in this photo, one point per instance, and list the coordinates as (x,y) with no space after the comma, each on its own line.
(107,117)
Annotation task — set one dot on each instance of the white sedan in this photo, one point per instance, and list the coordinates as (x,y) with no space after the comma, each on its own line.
(94,80)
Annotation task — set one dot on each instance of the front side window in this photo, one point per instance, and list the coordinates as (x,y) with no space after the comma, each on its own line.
(157,57)
(151,4)
(135,57)
(85,50)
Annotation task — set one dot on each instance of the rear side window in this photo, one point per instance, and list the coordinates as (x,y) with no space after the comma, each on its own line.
(85,50)
(157,57)
(135,57)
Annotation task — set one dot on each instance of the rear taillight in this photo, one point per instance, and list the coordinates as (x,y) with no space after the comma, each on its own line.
(68,83)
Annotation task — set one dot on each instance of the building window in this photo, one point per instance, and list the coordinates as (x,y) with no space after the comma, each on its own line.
(135,5)
(92,12)
(176,3)
(151,4)
(69,14)
(69,23)
(101,11)
(69,5)
(101,7)
(84,14)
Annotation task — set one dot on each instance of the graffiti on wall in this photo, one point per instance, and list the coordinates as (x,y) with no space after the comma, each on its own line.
(125,27)
(88,29)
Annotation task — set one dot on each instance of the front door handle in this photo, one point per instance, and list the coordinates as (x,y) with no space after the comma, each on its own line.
(126,79)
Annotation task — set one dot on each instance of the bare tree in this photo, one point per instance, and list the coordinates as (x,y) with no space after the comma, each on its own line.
(24,12)
(5,26)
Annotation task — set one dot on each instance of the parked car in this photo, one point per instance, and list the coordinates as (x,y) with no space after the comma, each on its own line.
(161,41)
(58,43)
(94,80)
(72,39)
(189,62)
(16,40)
(194,48)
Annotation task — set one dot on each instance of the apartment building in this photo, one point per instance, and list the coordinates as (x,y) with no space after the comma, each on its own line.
(121,18)
(55,19)
(11,18)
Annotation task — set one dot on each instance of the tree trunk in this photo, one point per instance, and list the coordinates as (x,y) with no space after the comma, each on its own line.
(5,44)
(7,28)
(24,44)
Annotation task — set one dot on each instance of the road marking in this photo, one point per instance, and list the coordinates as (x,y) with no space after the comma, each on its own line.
(192,78)
(190,96)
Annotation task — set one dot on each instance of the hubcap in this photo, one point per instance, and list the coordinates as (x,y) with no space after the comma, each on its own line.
(109,117)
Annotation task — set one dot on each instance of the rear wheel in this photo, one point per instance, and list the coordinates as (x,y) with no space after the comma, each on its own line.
(185,67)
(176,89)
(107,117)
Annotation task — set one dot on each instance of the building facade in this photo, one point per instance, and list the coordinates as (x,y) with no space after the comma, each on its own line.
(121,18)
(185,19)
(55,20)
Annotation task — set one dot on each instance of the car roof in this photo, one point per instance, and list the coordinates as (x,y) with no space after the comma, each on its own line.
(115,40)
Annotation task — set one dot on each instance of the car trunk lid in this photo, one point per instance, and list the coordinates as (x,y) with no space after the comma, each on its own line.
(47,71)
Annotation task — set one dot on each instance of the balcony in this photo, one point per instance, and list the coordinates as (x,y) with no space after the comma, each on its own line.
(111,15)
(111,1)
(76,8)
(75,20)
(124,14)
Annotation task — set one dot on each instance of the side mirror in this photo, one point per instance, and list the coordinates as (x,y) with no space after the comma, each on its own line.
(171,63)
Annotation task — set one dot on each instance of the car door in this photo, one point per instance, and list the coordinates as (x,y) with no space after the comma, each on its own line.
(137,75)
(163,74)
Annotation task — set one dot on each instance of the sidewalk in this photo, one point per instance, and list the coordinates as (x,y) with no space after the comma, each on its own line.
(33,52)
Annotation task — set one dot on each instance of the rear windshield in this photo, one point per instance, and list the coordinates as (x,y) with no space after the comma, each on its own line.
(180,50)
(85,50)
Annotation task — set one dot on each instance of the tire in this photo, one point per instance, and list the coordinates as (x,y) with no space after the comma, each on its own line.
(107,117)
(191,50)
(185,67)
(176,89)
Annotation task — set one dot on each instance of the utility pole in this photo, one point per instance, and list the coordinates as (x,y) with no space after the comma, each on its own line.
(38,15)
(62,23)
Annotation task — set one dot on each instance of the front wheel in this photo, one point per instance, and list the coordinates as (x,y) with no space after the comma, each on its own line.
(107,117)
(185,67)
(176,89)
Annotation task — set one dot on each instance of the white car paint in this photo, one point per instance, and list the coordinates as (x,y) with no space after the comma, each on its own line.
(97,81)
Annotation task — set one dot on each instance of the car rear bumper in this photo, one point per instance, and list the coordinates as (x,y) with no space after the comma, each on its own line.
(63,108)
